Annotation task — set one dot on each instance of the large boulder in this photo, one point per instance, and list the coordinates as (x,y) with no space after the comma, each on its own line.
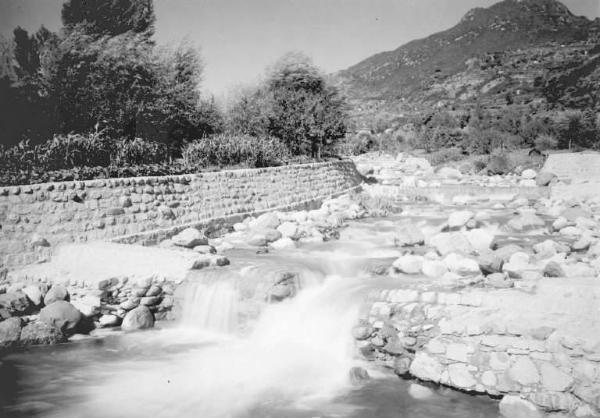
(490,262)
(56,293)
(283,243)
(268,220)
(553,269)
(15,303)
(459,218)
(526,221)
(544,178)
(506,251)
(289,230)
(462,265)
(38,332)
(62,315)
(434,268)
(190,238)
(138,319)
(447,242)
(10,332)
(34,293)
(409,264)
(426,367)
(89,305)
(408,235)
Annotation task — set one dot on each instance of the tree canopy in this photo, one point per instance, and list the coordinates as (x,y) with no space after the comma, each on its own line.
(110,17)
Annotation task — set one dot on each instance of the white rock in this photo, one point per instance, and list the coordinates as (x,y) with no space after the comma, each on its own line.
(554,379)
(459,264)
(434,268)
(488,378)
(458,352)
(419,391)
(514,407)
(560,223)
(449,173)
(460,376)
(283,243)
(88,305)
(189,238)
(268,220)
(447,242)
(545,249)
(409,264)
(34,294)
(426,367)
(108,320)
(459,218)
(240,226)
(289,229)
(523,371)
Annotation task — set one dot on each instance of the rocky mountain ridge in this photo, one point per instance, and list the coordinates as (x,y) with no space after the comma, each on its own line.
(535,48)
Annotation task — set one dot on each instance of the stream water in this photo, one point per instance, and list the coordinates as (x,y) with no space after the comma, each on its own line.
(290,359)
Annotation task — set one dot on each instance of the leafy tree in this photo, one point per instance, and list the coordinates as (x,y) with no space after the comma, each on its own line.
(110,17)
(250,113)
(307,114)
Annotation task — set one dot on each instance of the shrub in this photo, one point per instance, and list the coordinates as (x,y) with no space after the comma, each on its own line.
(225,149)
(138,151)
(445,155)
(354,144)
(499,163)
(484,141)
(75,150)
(545,142)
(479,164)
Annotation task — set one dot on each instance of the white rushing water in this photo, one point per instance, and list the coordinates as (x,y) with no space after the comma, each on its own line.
(299,352)
(211,307)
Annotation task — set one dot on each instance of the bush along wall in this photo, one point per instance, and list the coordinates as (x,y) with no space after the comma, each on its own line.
(77,157)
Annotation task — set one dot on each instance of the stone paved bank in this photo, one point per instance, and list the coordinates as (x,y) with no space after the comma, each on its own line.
(34,219)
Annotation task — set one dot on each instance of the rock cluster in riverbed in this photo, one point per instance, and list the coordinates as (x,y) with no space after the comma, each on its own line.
(283,230)
(508,309)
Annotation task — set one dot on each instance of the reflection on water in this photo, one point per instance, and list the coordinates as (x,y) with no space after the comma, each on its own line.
(293,362)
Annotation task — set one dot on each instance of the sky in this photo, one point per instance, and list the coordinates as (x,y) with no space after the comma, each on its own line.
(238,39)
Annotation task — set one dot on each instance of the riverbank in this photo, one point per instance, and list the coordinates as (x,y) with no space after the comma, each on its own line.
(486,285)
(499,295)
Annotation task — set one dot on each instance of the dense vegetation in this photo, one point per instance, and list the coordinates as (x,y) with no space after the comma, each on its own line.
(294,104)
(101,93)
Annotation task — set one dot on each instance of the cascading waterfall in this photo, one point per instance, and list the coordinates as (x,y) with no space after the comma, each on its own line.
(211,306)
(300,350)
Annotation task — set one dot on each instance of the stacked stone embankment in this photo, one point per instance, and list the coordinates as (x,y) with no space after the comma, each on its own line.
(501,298)
(35,219)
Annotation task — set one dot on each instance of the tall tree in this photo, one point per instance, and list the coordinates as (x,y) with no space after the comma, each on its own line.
(307,114)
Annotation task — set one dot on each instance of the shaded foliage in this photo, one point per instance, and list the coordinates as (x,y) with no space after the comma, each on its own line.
(110,17)
(251,151)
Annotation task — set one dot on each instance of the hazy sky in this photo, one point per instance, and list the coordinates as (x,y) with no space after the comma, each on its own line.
(239,38)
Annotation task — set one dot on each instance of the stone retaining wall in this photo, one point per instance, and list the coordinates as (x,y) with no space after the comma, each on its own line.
(536,346)
(35,218)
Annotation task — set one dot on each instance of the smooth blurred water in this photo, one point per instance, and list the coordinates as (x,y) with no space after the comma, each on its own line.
(293,361)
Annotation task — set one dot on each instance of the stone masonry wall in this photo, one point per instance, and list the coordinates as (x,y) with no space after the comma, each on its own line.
(36,218)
